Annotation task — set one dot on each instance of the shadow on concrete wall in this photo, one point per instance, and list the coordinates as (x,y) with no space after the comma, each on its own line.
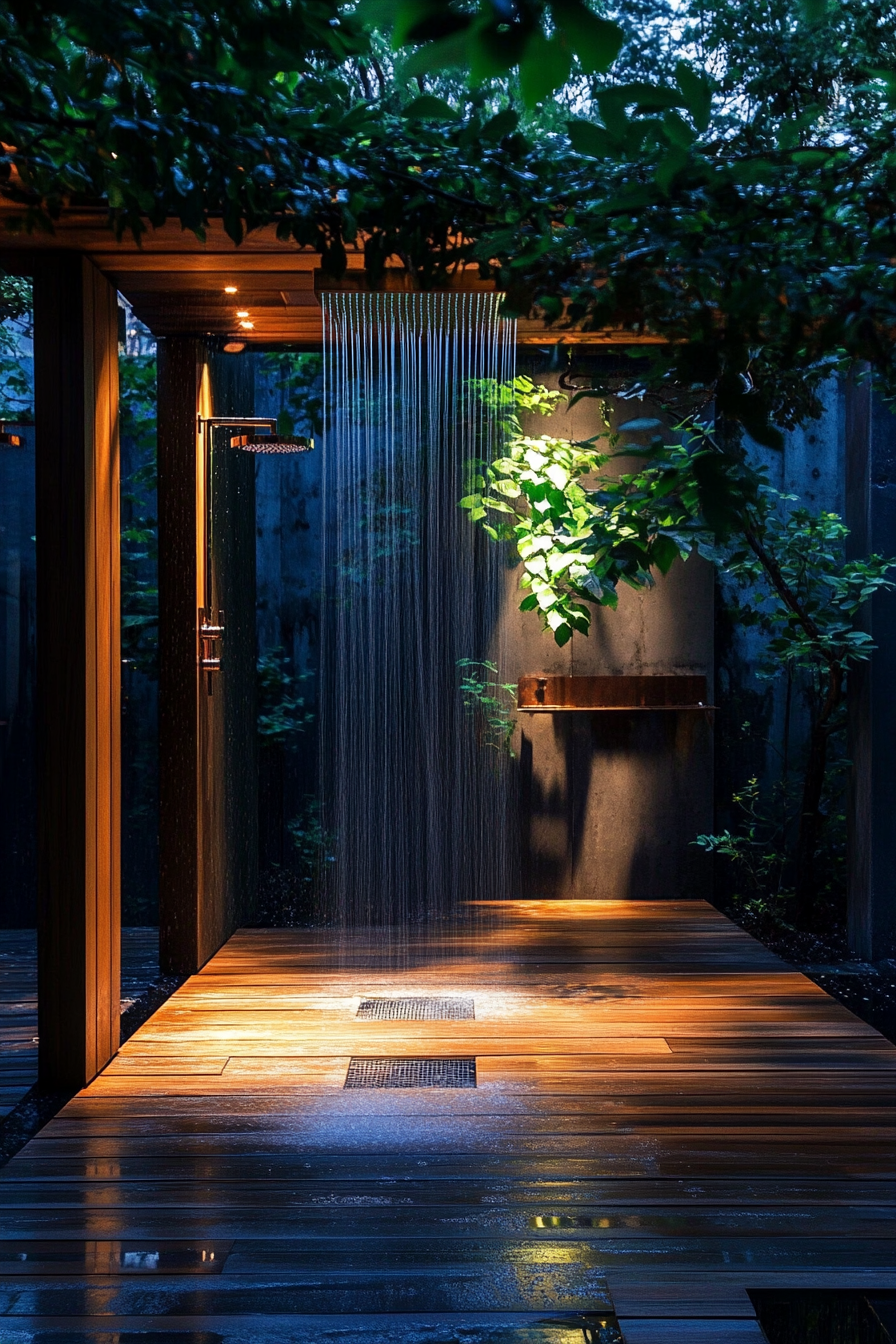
(615,816)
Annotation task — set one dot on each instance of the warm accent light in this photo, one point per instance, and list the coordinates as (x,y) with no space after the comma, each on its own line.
(234,347)
(230,289)
(242,312)
(247,326)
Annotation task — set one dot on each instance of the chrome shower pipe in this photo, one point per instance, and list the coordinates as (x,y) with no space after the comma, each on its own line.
(210,625)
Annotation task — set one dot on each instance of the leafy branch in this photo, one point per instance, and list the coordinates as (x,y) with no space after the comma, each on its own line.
(579,531)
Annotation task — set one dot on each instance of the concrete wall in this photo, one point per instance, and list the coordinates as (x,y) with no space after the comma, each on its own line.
(609,802)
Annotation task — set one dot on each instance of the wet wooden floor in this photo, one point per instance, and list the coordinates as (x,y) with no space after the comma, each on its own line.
(665,1117)
(18,1000)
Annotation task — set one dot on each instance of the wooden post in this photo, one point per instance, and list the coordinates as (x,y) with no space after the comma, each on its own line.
(78,667)
(180,595)
(208,802)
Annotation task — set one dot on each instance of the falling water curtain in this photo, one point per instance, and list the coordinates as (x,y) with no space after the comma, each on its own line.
(416,804)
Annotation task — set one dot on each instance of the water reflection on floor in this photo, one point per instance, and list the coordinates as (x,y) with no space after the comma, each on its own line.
(315,1330)
(658,1118)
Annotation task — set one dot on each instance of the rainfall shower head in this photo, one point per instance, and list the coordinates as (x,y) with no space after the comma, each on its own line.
(271,443)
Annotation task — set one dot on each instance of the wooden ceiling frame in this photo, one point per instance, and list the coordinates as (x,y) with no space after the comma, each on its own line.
(261,293)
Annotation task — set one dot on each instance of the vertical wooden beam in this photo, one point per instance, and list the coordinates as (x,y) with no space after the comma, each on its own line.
(208,802)
(78,667)
(231,715)
(180,499)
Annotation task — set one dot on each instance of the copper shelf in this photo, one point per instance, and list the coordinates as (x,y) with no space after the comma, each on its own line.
(563,695)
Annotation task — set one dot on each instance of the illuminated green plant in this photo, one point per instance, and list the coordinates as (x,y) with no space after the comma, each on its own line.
(579,531)
(490,701)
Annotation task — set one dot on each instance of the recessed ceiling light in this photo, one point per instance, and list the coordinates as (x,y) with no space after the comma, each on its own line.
(230,289)
(234,347)
(242,312)
(247,326)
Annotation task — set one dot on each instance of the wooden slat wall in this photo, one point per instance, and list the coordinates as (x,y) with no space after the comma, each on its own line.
(79,663)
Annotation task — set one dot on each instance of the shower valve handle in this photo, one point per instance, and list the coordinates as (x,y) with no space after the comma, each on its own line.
(210,634)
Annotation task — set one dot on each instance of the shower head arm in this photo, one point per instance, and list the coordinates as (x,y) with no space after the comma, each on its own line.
(237,421)
(206,423)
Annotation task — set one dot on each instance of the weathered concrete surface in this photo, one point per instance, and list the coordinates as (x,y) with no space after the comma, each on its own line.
(610,802)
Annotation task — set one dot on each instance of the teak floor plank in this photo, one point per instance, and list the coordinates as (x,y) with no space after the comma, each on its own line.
(666,1115)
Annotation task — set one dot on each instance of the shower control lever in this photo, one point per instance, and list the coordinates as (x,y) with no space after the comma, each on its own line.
(210,635)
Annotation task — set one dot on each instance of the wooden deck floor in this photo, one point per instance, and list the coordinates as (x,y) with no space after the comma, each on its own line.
(665,1116)
(18,1000)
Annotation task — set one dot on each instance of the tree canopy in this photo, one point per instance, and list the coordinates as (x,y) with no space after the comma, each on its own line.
(722,174)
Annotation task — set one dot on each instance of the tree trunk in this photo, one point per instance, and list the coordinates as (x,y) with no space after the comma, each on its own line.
(811,817)
(810,824)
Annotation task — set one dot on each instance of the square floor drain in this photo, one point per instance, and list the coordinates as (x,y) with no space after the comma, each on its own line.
(416,1010)
(404,1072)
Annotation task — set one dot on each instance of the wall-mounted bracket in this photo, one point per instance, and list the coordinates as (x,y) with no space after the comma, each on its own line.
(546,694)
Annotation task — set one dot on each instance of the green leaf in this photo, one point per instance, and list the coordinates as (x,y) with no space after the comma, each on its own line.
(664,553)
(677,131)
(810,158)
(428,106)
(670,166)
(721,502)
(587,138)
(815,11)
(595,40)
(612,104)
(696,91)
(551,305)
(505,123)
(409,15)
(545,67)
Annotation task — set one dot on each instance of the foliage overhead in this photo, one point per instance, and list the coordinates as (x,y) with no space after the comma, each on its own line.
(139,525)
(180,110)
(721,175)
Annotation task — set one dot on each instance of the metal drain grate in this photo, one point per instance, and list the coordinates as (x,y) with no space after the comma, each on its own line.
(416,1010)
(404,1072)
